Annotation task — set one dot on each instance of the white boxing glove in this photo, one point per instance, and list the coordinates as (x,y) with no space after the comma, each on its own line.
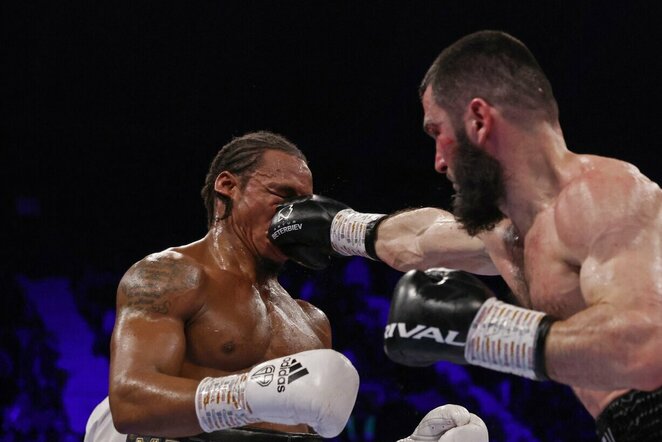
(449,423)
(315,387)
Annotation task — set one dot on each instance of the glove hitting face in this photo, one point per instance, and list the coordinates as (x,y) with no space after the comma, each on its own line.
(312,229)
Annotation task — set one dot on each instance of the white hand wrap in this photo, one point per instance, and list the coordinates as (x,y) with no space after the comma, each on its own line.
(348,232)
(504,337)
(316,387)
(221,403)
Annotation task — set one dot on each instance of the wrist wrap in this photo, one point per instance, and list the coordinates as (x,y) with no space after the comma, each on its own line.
(221,403)
(510,339)
(354,233)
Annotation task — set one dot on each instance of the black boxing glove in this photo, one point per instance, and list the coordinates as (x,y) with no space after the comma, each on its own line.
(311,229)
(450,315)
(431,313)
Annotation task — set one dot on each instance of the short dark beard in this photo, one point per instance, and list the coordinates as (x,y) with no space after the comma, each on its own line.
(479,178)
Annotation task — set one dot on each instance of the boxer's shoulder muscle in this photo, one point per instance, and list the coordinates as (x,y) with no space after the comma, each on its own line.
(166,282)
(609,197)
(609,219)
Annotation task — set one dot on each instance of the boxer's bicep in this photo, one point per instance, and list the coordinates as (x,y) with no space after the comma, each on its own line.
(622,271)
(146,393)
(154,299)
(614,343)
(147,343)
(148,347)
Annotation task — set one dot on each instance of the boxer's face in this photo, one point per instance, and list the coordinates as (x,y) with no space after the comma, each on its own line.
(437,124)
(476,176)
(279,176)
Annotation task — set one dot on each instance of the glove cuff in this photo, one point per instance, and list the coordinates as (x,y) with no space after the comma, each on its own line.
(354,233)
(541,337)
(509,339)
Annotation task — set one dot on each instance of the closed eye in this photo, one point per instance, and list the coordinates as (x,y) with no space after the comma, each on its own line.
(283,193)
(431,130)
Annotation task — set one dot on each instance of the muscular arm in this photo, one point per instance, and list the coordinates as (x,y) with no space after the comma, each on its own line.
(429,237)
(154,299)
(615,342)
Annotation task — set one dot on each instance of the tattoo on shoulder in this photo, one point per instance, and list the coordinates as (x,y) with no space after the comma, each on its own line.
(149,284)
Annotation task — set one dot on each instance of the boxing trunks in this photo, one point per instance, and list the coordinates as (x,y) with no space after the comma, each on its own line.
(635,416)
(234,435)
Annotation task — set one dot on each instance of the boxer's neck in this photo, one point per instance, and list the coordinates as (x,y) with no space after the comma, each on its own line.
(231,253)
(534,164)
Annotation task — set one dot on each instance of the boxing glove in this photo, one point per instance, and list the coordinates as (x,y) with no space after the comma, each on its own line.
(450,315)
(311,229)
(315,387)
(449,423)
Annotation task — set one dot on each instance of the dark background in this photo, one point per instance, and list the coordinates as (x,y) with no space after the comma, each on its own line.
(111,113)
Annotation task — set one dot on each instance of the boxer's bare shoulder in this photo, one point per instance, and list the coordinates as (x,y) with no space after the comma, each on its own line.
(318,321)
(607,196)
(162,283)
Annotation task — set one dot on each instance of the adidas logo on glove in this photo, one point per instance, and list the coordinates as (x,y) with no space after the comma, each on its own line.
(290,370)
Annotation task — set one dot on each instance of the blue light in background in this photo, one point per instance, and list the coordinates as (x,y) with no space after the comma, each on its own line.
(87,380)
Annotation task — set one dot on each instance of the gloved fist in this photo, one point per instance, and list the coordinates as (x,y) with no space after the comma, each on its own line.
(312,229)
(314,387)
(449,423)
(451,315)
(301,229)
(430,315)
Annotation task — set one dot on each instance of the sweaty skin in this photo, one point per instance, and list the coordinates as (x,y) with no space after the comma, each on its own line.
(582,242)
(210,308)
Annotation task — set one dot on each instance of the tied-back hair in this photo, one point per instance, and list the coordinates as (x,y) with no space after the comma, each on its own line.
(496,67)
(241,156)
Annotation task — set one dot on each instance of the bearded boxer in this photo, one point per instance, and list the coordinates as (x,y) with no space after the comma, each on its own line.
(577,238)
(207,342)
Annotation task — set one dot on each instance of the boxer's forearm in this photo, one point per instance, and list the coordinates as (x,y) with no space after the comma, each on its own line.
(154,403)
(430,237)
(606,347)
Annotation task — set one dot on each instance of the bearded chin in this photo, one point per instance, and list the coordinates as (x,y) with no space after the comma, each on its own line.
(480,179)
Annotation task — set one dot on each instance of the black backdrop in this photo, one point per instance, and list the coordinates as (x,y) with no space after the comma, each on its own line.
(113,110)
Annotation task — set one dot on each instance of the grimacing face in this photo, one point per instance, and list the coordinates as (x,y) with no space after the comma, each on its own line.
(280,176)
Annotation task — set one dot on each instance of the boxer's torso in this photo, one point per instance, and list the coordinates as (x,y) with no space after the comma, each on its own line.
(541,281)
(241,323)
(542,267)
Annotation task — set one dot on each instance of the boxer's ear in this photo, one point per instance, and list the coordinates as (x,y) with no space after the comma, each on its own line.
(226,184)
(479,121)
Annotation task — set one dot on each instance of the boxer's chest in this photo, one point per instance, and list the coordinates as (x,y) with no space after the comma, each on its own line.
(538,273)
(247,326)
